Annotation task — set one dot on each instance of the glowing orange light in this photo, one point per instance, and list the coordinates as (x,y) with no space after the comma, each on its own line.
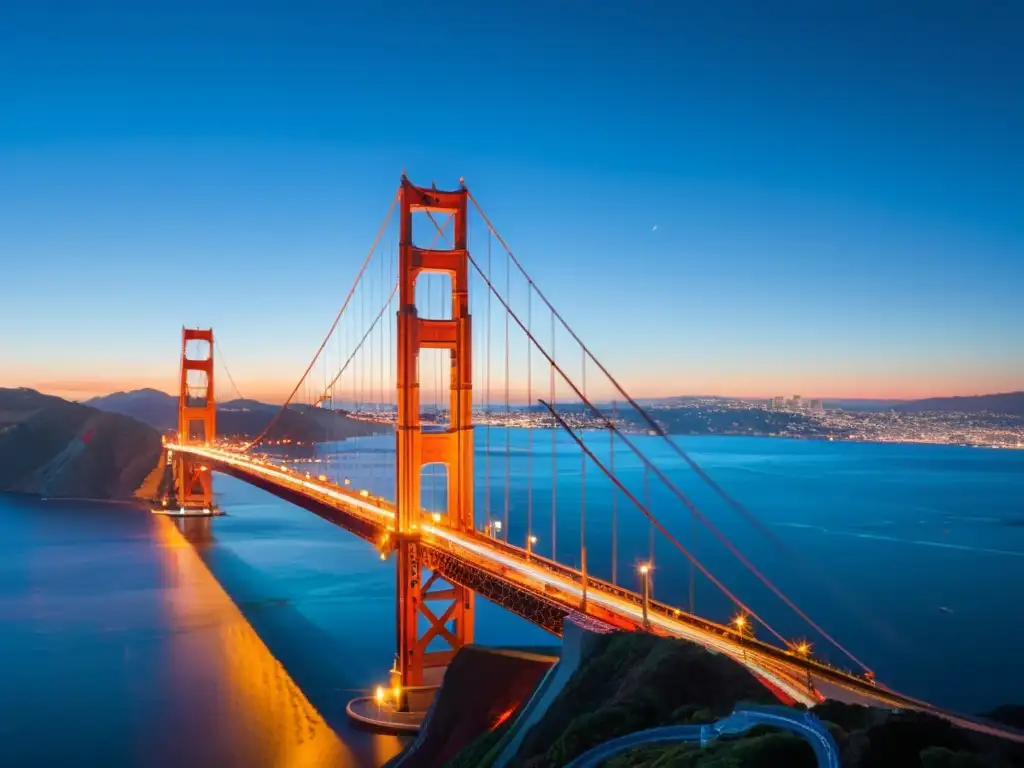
(503,717)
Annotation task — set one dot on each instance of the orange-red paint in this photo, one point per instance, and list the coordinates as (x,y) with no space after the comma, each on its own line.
(453,447)
(197,406)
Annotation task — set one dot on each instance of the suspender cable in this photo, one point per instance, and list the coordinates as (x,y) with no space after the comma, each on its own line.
(661,433)
(647,513)
(554,455)
(487,400)
(508,412)
(529,431)
(221,359)
(615,499)
(337,319)
(651,422)
(647,503)
(693,548)
(670,485)
(583,502)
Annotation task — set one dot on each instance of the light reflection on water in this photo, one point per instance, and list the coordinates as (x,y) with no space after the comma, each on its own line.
(269,720)
(120,646)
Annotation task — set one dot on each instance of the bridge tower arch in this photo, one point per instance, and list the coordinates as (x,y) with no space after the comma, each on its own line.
(447,609)
(197,420)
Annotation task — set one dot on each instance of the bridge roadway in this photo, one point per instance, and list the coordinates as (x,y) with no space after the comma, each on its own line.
(544,591)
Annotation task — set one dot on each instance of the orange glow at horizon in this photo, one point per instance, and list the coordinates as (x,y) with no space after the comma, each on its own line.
(877,386)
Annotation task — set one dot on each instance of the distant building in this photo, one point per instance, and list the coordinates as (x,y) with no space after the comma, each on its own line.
(796,403)
(816,405)
(778,403)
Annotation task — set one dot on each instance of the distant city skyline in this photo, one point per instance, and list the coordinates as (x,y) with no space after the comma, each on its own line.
(81,391)
(744,204)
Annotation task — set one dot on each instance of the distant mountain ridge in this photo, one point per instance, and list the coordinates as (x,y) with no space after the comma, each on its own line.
(1011,403)
(241,418)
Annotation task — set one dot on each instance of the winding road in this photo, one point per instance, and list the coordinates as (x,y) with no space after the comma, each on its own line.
(741,720)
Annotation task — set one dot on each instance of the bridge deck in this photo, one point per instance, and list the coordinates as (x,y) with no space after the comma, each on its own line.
(546,592)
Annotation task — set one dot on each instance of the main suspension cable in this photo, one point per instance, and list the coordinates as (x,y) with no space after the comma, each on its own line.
(223,361)
(668,482)
(651,422)
(654,521)
(334,325)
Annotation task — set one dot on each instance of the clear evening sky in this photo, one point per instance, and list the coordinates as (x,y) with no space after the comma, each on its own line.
(838,188)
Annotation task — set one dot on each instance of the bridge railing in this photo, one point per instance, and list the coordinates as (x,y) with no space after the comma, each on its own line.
(667,611)
(354,502)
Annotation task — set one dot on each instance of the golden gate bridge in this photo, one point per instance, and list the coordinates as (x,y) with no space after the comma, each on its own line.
(416,345)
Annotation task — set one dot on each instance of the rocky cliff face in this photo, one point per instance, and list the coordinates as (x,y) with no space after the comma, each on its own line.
(54,448)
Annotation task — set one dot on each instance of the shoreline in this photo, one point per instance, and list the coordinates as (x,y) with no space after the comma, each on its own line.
(647,433)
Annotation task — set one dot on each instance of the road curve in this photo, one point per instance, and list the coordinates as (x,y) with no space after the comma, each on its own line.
(742,719)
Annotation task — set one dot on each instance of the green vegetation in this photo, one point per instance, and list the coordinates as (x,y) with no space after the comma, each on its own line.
(758,749)
(629,682)
(478,752)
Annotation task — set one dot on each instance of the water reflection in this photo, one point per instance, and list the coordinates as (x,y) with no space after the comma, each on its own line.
(255,714)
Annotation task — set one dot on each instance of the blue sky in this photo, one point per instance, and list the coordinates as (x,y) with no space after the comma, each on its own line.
(838,192)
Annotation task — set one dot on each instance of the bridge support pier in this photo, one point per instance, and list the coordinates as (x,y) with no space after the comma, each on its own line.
(197,422)
(435,618)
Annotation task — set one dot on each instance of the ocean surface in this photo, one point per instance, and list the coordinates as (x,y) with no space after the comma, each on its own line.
(238,641)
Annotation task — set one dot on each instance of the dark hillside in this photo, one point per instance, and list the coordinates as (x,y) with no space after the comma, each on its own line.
(1010,403)
(51,447)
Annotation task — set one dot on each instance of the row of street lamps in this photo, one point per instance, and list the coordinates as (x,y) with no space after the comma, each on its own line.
(744,627)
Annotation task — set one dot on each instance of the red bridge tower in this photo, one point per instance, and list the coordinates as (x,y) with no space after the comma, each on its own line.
(450,621)
(197,420)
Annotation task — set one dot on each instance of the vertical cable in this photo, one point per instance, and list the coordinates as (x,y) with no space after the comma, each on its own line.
(693,550)
(647,504)
(487,401)
(615,497)
(370,376)
(386,286)
(554,452)
(583,494)
(508,412)
(529,404)
(336,451)
(352,459)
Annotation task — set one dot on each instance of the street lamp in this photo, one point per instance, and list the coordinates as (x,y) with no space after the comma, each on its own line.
(803,650)
(496,525)
(530,541)
(740,622)
(645,576)
(379,696)
(437,517)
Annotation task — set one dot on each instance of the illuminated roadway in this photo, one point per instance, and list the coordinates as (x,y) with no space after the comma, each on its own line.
(803,680)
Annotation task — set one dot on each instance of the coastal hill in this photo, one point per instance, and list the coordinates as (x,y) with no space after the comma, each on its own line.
(1010,403)
(241,418)
(55,448)
(626,682)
